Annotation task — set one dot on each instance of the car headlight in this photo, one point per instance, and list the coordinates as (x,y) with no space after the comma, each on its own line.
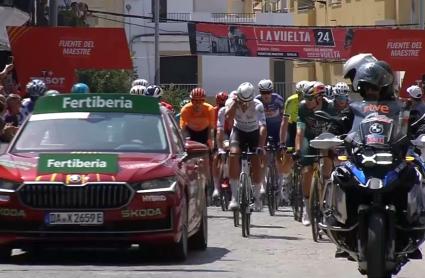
(155,184)
(8,185)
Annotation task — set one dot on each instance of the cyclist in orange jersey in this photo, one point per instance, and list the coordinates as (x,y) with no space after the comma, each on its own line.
(197,119)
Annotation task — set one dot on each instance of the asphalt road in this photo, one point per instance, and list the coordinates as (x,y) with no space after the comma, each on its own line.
(278,247)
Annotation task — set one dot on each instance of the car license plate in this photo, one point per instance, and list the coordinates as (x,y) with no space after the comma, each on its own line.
(74,218)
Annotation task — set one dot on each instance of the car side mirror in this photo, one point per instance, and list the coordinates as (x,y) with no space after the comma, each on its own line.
(195,149)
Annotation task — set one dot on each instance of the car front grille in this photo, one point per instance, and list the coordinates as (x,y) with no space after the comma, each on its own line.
(61,196)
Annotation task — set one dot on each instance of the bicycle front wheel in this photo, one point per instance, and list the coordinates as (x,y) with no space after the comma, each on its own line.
(245,200)
(270,190)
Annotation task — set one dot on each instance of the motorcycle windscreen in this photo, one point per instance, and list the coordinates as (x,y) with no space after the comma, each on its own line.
(376,130)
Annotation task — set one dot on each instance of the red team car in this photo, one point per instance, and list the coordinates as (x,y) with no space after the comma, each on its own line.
(102,169)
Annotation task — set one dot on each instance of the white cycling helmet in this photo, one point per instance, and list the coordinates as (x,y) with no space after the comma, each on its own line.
(351,65)
(415,92)
(246,92)
(265,85)
(138,90)
(341,89)
(154,91)
(142,82)
(299,87)
(329,93)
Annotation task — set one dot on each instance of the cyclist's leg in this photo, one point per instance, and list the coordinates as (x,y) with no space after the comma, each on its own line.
(306,177)
(252,140)
(285,164)
(217,163)
(234,167)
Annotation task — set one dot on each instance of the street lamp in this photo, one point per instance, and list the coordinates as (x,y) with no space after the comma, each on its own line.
(128,8)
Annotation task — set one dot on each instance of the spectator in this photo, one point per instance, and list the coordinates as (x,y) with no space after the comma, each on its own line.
(7,132)
(3,74)
(13,114)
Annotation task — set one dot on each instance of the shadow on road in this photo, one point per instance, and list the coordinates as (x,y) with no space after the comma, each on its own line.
(220,217)
(117,258)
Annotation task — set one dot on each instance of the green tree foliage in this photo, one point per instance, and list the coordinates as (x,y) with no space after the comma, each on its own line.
(106,81)
(174,96)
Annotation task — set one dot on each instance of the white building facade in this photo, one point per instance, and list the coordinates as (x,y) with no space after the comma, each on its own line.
(178,66)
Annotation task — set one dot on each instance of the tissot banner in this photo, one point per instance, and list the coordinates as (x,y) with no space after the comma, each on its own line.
(53,54)
(271,41)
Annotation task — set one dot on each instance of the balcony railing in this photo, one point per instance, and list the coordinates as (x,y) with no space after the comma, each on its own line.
(233,17)
(182,87)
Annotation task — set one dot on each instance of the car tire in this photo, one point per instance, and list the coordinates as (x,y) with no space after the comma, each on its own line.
(199,241)
(179,250)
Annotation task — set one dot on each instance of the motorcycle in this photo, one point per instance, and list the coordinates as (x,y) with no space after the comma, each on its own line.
(374,204)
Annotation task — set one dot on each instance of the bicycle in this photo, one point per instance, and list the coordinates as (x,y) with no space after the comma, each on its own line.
(225,192)
(245,194)
(272,187)
(295,189)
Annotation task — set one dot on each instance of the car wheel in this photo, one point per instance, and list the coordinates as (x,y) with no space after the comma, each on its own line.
(199,241)
(179,250)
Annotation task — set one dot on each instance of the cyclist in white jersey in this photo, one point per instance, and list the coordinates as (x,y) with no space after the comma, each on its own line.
(249,131)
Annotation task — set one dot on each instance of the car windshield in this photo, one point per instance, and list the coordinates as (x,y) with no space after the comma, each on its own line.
(119,132)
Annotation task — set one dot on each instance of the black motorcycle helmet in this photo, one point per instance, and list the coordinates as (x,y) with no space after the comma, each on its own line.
(375,75)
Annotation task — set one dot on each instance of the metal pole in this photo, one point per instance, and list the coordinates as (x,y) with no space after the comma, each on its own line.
(157,64)
(421,14)
(53,13)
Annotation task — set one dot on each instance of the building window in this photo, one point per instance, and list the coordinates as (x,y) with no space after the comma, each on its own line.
(305,5)
(162,9)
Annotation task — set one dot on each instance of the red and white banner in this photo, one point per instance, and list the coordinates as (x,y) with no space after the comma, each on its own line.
(55,53)
(271,41)
(402,49)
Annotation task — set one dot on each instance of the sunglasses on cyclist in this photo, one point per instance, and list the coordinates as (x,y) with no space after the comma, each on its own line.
(265,92)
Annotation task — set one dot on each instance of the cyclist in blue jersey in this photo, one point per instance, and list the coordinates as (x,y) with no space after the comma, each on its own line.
(35,89)
(273,108)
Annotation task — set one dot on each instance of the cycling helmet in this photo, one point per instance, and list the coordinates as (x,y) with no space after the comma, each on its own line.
(220,98)
(415,92)
(154,91)
(314,88)
(36,88)
(184,102)
(352,65)
(372,74)
(142,82)
(198,94)
(80,88)
(246,92)
(51,93)
(341,89)
(265,85)
(138,90)
(300,85)
(329,92)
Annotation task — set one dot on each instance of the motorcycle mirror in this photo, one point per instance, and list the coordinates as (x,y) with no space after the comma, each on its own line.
(419,141)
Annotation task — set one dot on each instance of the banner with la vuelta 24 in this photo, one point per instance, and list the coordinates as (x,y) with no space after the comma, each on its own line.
(321,43)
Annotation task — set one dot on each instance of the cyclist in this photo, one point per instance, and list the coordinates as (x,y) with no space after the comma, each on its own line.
(273,108)
(309,127)
(222,131)
(249,129)
(35,89)
(181,104)
(288,130)
(197,118)
(329,93)
(415,96)
(157,92)
(138,90)
(341,93)
(80,88)
(141,82)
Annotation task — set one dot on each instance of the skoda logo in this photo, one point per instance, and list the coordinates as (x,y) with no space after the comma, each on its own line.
(75,179)
(376,128)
